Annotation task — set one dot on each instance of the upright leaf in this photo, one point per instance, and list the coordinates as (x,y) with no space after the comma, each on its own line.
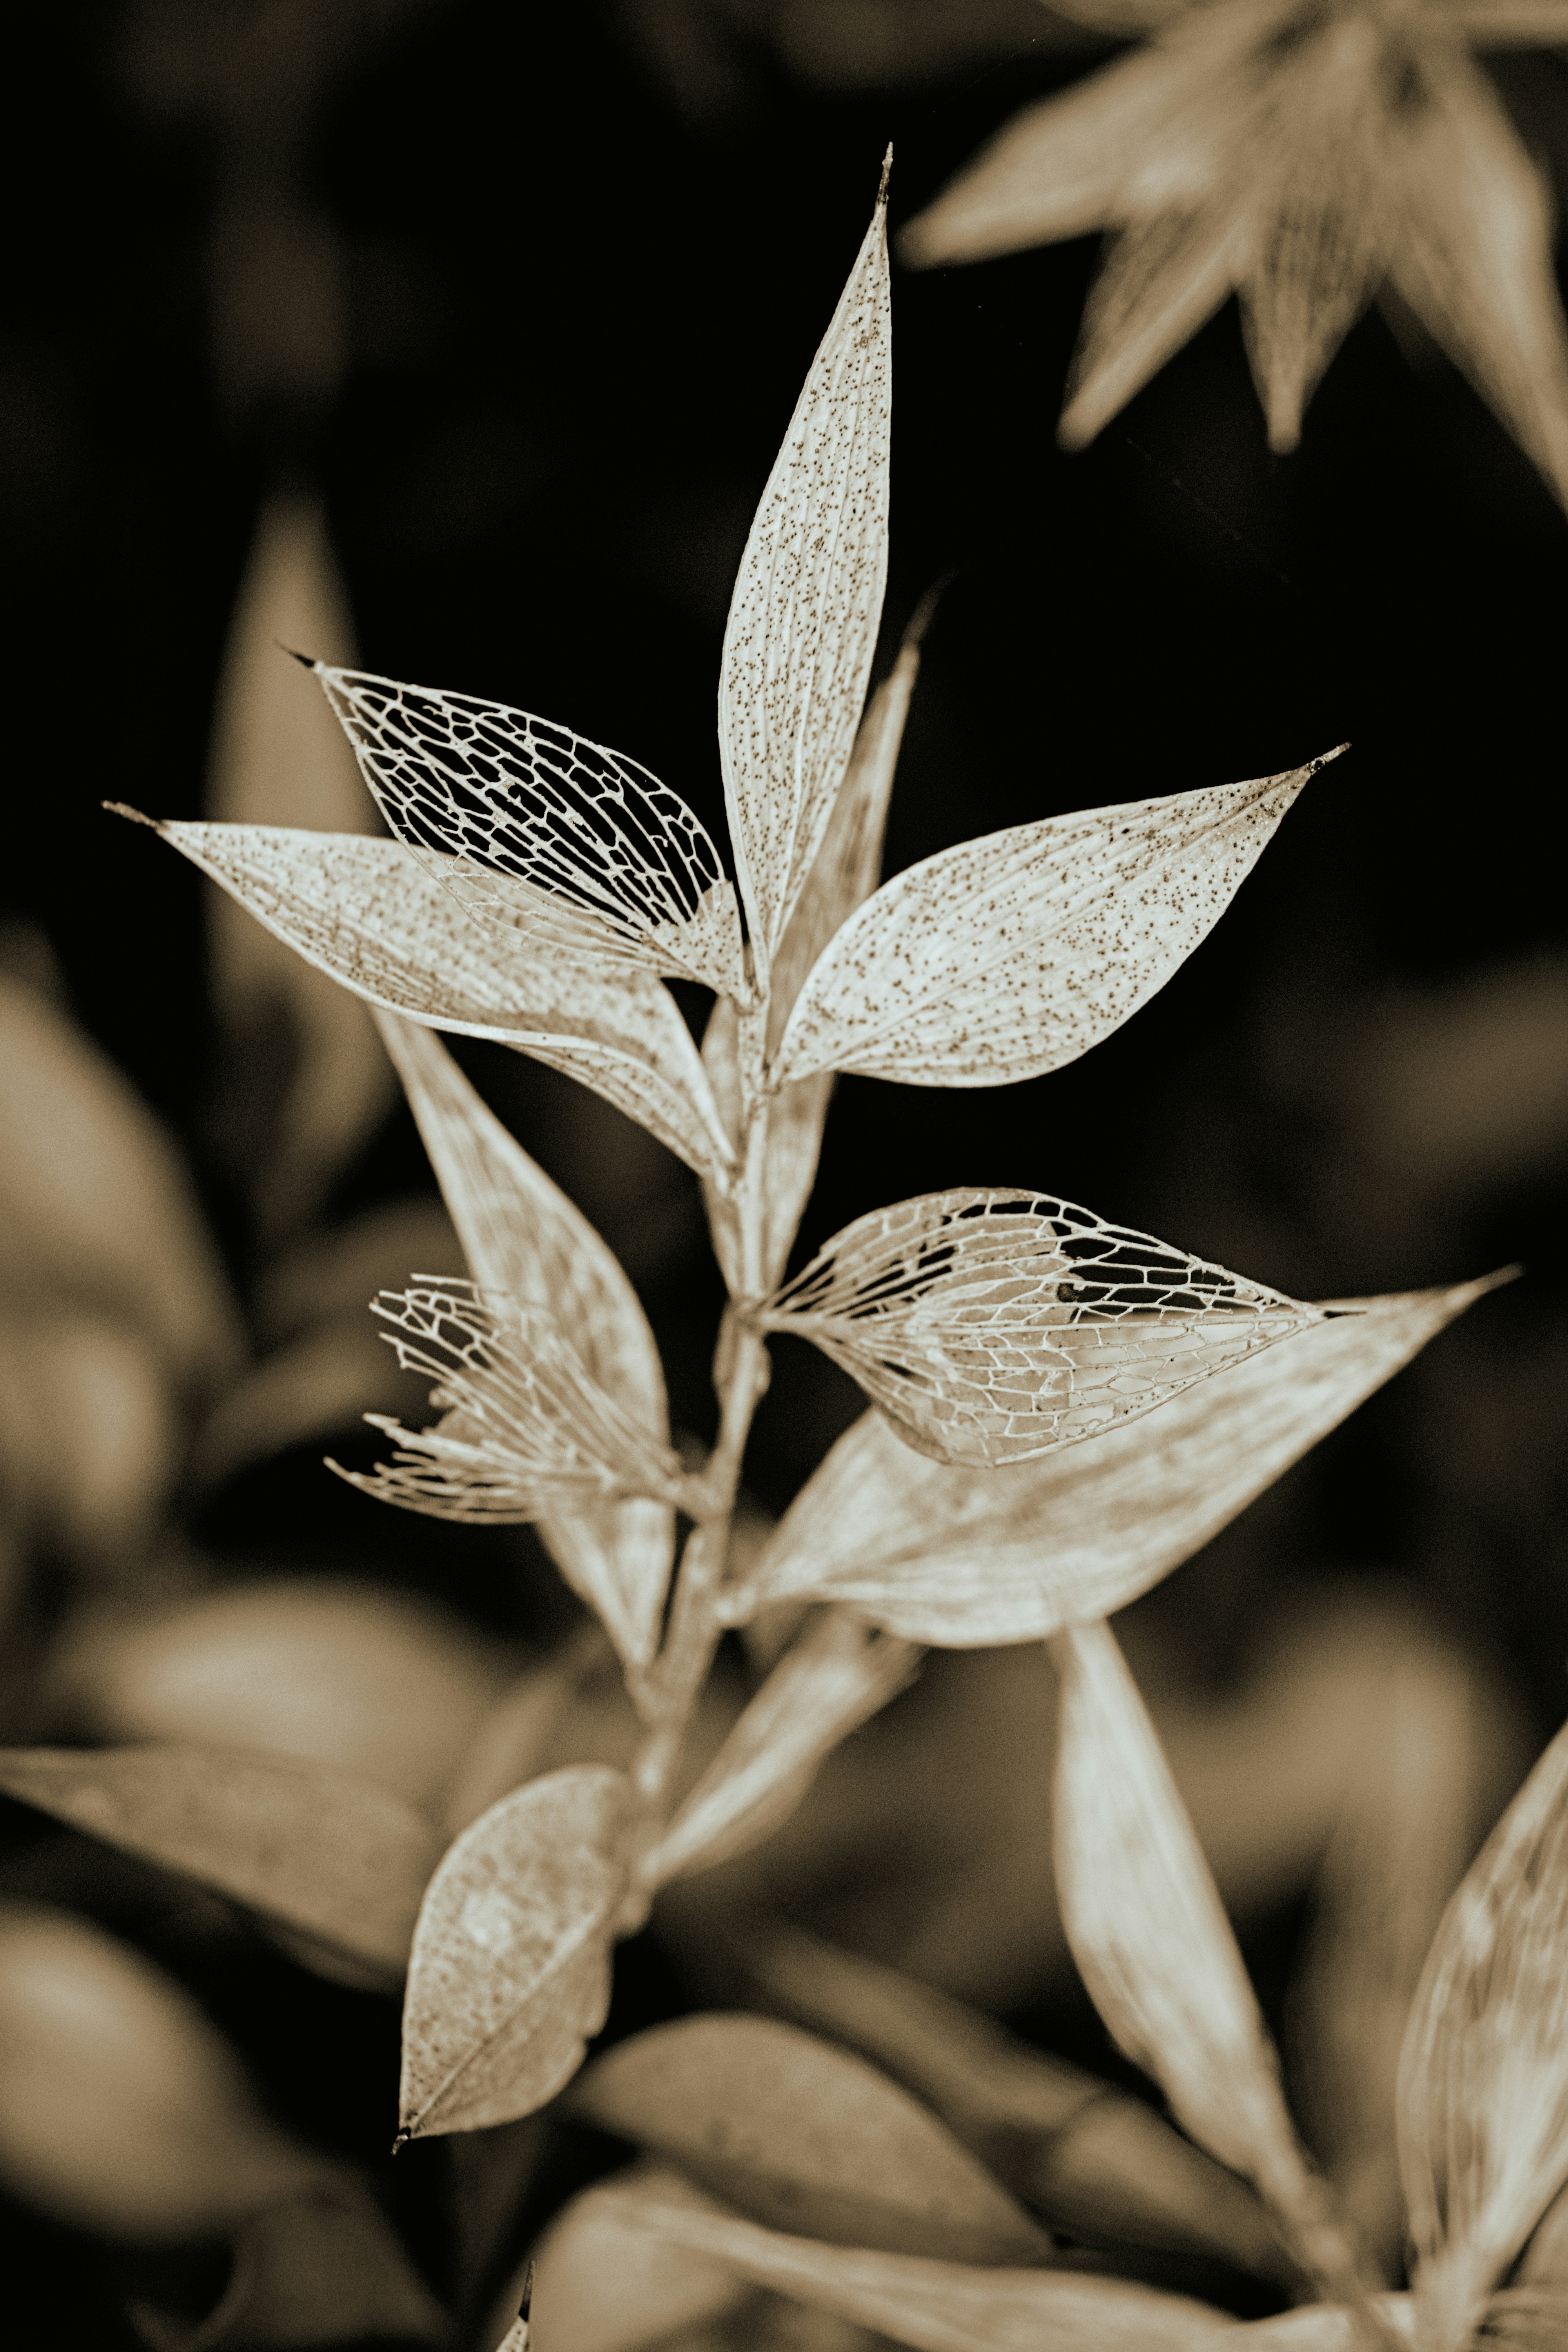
(509,1978)
(526,1240)
(1014,953)
(1483,2075)
(991,1325)
(803,622)
(969,1557)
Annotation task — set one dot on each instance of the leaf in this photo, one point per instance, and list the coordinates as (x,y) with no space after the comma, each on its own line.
(1011,955)
(969,1557)
(836,1676)
(1483,2075)
(935,2306)
(991,1325)
(1155,1949)
(803,622)
(372,915)
(1328,2326)
(526,1430)
(526,1240)
(604,2285)
(334,1856)
(489,797)
(794,2131)
(509,1978)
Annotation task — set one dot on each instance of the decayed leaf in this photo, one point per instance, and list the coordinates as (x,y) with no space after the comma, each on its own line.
(509,1977)
(803,621)
(837,1674)
(969,1557)
(526,1240)
(1153,1945)
(991,1325)
(496,797)
(797,2133)
(527,1430)
(1011,955)
(335,1857)
(935,2307)
(1483,2075)
(380,922)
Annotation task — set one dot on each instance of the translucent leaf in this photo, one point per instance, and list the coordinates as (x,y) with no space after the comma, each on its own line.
(603,2285)
(489,797)
(509,1978)
(372,915)
(1153,1945)
(526,1431)
(338,1858)
(803,622)
(969,1557)
(526,1240)
(791,2130)
(991,1325)
(1483,2077)
(935,2306)
(1013,954)
(837,1675)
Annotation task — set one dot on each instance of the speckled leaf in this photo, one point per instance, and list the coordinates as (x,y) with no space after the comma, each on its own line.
(526,1240)
(968,1558)
(1010,955)
(839,1673)
(509,1978)
(803,622)
(337,1858)
(797,2133)
(991,1325)
(1483,2075)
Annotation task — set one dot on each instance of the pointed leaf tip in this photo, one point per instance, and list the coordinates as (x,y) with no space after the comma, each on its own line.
(124,808)
(306,661)
(525,2308)
(401,2142)
(887,175)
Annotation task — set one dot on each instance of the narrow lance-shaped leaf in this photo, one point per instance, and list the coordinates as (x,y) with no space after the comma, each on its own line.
(803,622)
(1014,953)
(969,1557)
(837,1675)
(526,1240)
(509,1978)
(991,1325)
(498,797)
(1154,1947)
(1483,2075)
(794,2131)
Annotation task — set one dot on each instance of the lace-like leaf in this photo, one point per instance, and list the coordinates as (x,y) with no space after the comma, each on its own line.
(524,1240)
(526,1431)
(969,1557)
(372,915)
(500,797)
(803,622)
(835,1677)
(509,1978)
(991,1325)
(1483,2075)
(1013,954)
(340,1859)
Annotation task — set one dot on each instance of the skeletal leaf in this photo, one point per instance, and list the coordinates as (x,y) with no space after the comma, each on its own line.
(526,1240)
(1483,2075)
(381,922)
(338,1858)
(509,1977)
(1153,1945)
(932,2305)
(837,1674)
(969,1557)
(526,1430)
(1013,954)
(792,2131)
(489,797)
(803,622)
(991,1325)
